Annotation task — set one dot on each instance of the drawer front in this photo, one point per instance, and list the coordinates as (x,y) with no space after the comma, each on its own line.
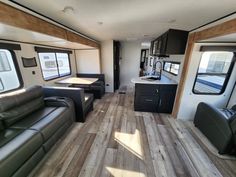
(146,89)
(146,103)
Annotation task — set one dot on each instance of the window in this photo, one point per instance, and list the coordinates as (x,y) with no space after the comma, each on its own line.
(213,72)
(171,67)
(9,76)
(54,65)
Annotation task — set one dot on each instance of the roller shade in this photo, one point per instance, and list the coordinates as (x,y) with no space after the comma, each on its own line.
(218,48)
(10,46)
(49,50)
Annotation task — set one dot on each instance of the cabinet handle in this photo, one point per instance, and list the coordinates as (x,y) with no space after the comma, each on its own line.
(148,100)
(157,90)
(160,103)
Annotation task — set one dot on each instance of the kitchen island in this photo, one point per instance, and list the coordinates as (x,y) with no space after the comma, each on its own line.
(154,95)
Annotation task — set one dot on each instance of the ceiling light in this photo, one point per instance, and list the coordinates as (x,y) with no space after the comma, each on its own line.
(172,21)
(100,23)
(68,10)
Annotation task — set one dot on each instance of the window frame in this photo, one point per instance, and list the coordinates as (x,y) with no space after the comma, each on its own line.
(55,53)
(18,73)
(171,63)
(227,76)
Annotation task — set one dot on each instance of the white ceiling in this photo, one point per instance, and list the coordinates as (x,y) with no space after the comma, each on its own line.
(131,19)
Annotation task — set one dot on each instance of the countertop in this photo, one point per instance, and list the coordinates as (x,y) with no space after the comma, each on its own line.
(164,80)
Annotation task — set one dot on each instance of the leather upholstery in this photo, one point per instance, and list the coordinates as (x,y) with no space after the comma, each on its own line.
(16,106)
(32,119)
(15,114)
(30,125)
(7,135)
(97,88)
(26,168)
(82,107)
(215,124)
(1,125)
(18,150)
(88,102)
(14,99)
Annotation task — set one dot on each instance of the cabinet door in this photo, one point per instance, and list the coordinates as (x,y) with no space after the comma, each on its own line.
(146,103)
(155,47)
(167,98)
(164,39)
(151,48)
(146,97)
(146,89)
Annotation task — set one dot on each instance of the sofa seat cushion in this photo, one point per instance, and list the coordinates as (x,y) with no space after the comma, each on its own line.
(7,135)
(32,119)
(88,98)
(51,123)
(17,151)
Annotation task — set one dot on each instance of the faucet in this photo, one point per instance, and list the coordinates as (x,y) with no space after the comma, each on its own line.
(155,67)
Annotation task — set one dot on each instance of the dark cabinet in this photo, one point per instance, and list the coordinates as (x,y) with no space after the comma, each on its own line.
(167,98)
(154,98)
(171,42)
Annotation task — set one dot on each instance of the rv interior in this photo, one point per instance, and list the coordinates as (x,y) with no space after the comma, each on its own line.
(117,88)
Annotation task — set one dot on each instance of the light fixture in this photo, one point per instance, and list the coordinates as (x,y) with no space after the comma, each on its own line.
(100,23)
(68,10)
(172,21)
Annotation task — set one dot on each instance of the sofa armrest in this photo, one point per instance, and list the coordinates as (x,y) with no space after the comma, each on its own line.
(76,94)
(58,101)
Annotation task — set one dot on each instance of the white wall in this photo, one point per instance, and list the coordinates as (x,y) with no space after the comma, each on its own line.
(107,64)
(130,62)
(190,101)
(88,61)
(27,51)
(176,58)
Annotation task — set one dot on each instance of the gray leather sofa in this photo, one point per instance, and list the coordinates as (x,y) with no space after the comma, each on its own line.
(97,88)
(218,125)
(83,101)
(30,124)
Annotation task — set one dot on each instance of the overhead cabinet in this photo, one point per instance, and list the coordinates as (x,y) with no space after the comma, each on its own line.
(171,42)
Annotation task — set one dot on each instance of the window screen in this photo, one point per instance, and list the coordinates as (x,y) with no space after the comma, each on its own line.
(171,67)
(54,65)
(213,72)
(9,77)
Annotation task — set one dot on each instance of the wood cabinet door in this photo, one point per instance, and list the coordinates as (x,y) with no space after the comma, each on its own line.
(166,98)
(146,97)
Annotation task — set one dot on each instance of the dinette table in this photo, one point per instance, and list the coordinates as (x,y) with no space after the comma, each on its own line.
(77,81)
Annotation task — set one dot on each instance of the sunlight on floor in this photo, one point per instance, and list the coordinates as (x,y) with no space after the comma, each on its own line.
(132,142)
(121,172)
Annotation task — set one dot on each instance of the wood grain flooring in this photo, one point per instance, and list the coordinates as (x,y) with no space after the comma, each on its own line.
(115,141)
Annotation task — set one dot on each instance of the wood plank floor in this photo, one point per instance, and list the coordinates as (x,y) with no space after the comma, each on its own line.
(115,141)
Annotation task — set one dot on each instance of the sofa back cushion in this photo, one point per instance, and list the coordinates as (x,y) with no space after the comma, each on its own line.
(17,105)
